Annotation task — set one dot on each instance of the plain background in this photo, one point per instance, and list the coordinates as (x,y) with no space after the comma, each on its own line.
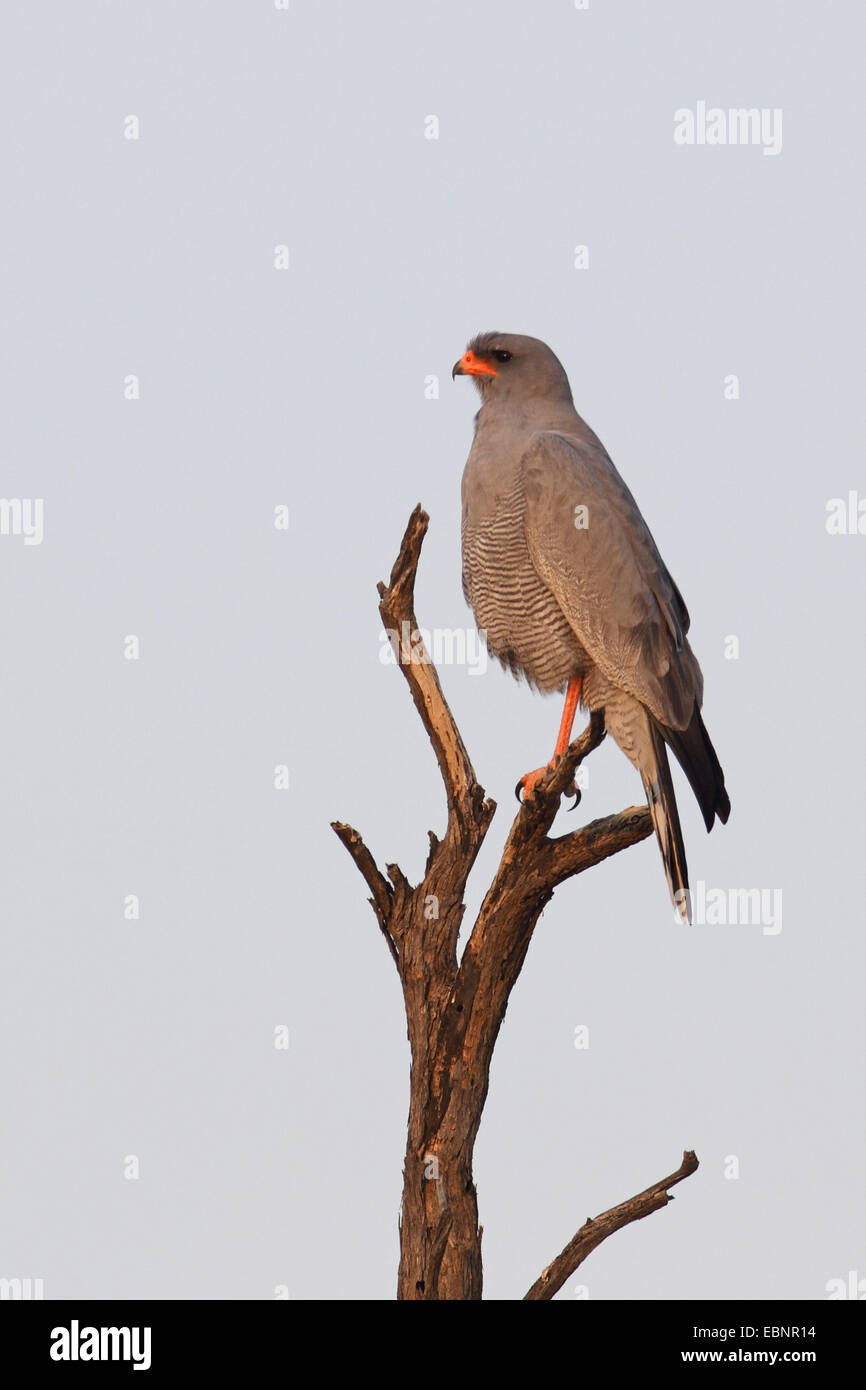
(155,257)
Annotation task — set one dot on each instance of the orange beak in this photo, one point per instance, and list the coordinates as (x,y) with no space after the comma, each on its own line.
(470,365)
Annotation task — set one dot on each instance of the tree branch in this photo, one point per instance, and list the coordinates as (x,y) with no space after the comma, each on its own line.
(383,893)
(594,1231)
(571,854)
(469,814)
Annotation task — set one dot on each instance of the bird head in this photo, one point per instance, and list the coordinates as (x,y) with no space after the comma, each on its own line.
(504,365)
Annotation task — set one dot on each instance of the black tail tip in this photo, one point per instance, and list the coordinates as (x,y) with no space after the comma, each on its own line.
(721,807)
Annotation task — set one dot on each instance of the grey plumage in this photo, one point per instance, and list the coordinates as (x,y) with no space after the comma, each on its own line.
(561,570)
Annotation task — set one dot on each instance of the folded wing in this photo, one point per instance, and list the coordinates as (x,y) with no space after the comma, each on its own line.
(592,548)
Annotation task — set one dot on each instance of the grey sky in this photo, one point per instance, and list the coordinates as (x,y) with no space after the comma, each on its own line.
(154,257)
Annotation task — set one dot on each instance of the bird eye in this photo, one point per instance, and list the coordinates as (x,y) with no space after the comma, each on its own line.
(502,356)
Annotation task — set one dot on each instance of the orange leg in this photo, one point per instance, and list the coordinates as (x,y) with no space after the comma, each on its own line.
(572,696)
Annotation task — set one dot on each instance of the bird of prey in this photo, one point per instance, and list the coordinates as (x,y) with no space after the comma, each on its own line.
(562,572)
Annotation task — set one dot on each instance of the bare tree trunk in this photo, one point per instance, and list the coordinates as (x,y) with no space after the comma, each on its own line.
(454,1010)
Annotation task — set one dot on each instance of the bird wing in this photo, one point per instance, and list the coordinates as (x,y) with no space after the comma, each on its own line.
(604,569)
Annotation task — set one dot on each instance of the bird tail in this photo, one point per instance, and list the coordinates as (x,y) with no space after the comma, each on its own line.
(697,757)
(662,803)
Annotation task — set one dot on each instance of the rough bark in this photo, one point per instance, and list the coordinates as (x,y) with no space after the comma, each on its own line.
(454,1009)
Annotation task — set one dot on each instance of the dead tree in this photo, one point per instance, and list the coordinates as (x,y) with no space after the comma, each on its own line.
(454,1008)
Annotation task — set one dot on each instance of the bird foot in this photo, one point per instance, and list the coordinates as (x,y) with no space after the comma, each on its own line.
(527,783)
